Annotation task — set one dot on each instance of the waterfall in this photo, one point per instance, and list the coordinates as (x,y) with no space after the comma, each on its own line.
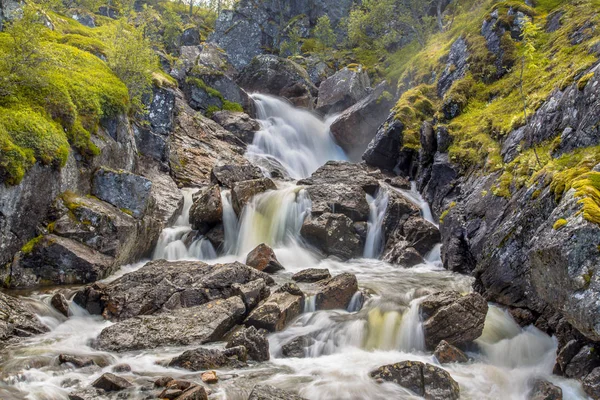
(375,239)
(415,197)
(230,223)
(291,137)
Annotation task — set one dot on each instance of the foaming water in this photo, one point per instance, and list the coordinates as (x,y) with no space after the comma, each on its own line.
(294,138)
(375,239)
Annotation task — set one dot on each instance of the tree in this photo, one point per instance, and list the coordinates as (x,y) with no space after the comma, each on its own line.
(413,17)
(292,45)
(324,33)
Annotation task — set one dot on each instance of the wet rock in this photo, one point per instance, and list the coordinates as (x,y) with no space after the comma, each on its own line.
(194,393)
(170,394)
(586,360)
(544,390)
(354,129)
(252,292)
(161,286)
(111,383)
(228,175)
(343,172)
(190,37)
(123,190)
(446,353)
(88,394)
(421,234)
(336,293)
(268,392)
(207,210)
(120,368)
(401,253)
(591,384)
(254,341)
(280,77)
(456,67)
(76,361)
(263,259)
(340,198)
(202,359)
(452,317)
(243,192)
(216,236)
(333,234)
(183,327)
(312,275)
(239,124)
(163,381)
(295,348)
(209,377)
(60,304)
(342,90)
(276,312)
(422,379)
(400,183)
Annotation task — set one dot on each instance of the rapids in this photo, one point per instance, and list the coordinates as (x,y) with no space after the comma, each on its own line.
(381,326)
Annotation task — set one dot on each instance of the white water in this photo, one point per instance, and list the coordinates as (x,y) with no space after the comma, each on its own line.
(375,238)
(380,328)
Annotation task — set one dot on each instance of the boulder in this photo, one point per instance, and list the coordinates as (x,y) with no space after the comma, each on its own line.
(342,90)
(120,368)
(279,77)
(333,234)
(254,341)
(428,381)
(209,377)
(544,390)
(456,66)
(190,37)
(494,30)
(111,383)
(252,292)
(584,362)
(401,253)
(207,88)
(340,198)
(243,192)
(446,353)
(241,125)
(194,393)
(122,189)
(383,150)
(76,361)
(268,392)
(453,317)
(311,275)
(263,259)
(161,285)
(88,394)
(421,234)
(60,304)
(152,136)
(207,210)
(591,384)
(336,293)
(202,359)
(182,327)
(228,175)
(296,347)
(343,172)
(276,312)
(354,129)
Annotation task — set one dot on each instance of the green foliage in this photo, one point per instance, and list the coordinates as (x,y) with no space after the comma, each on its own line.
(310,45)
(231,106)
(324,34)
(582,83)
(414,107)
(29,246)
(291,46)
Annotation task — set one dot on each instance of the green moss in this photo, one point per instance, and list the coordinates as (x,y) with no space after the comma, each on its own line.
(309,46)
(414,107)
(29,246)
(559,224)
(200,84)
(127,211)
(231,106)
(211,110)
(582,83)
(447,211)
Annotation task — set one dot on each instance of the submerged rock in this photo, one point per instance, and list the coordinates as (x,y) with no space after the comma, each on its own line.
(60,304)
(296,347)
(254,341)
(268,392)
(76,361)
(202,359)
(263,259)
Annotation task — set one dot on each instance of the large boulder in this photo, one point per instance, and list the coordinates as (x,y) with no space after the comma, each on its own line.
(276,312)
(17,320)
(452,317)
(384,150)
(240,124)
(161,286)
(207,209)
(243,192)
(280,77)
(343,172)
(207,89)
(336,293)
(229,174)
(182,327)
(340,198)
(544,390)
(426,380)
(152,136)
(202,359)
(357,126)
(122,189)
(253,340)
(268,392)
(343,90)
(263,259)
(334,234)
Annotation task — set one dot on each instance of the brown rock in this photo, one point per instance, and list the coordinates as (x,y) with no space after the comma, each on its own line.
(210,377)
(243,192)
(544,390)
(263,259)
(60,304)
(446,353)
(311,275)
(276,312)
(111,383)
(336,293)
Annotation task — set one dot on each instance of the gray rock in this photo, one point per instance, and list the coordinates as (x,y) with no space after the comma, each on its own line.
(263,259)
(384,149)
(10,10)
(421,234)
(194,393)
(276,312)
(182,327)
(336,293)
(401,253)
(311,275)
(254,341)
(202,359)
(591,384)
(544,390)
(17,320)
(343,172)
(190,37)
(243,192)
(340,198)
(123,190)
(456,66)
(239,124)
(586,360)
(60,304)
(76,361)
(343,90)
(446,353)
(152,138)
(88,394)
(267,392)
(111,383)
(553,21)
(83,18)
(252,293)
(333,234)
(228,175)
(207,210)
(295,348)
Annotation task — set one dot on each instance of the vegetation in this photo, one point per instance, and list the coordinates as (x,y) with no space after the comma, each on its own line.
(559,224)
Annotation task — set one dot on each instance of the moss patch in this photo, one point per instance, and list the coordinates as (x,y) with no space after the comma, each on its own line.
(29,246)
(559,224)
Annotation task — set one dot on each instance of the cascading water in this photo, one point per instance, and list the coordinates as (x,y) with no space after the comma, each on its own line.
(377,207)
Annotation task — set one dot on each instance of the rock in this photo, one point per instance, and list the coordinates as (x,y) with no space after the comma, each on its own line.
(317,69)
(123,190)
(340,198)
(452,317)
(120,368)
(357,126)
(202,359)
(183,327)
(206,88)
(424,380)
(111,383)
(421,234)
(343,90)
(446,353)
(456,66)
(254,341)
(252,292)
(163,381)
(152,136)
(553,21)
(311,275)
(207,210)
(591,384)
(343,172)
(400,183)
(243,192)
(494,30)
(161,286)
(194,393)
(295,348)
(383,150)
(170,394)
(586,360)
(336,293)
(216,236)
(88,394)
(76,361)
(228,175)
(209,377)
(263,259)
(60,304)
(268,392)
(333,234)
(401,253)
(190,37)
(239,124)
(167,204)
(276,312)
(83,18)
(544,390)
(279,77)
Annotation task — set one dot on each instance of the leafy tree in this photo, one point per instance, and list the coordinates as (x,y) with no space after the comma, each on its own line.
(292,45)
(324,33)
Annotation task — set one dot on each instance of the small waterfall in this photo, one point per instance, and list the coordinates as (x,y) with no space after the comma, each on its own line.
(291,137)
(375,239)
(230,223)
(415,197)
(356,302)
(411,336)
(310,304)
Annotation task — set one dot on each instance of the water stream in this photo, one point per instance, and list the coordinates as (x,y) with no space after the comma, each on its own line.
(381,326)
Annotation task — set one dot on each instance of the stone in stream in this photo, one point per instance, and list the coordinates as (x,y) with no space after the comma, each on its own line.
(227,175)
(202,359)
(276,312)
(295,348)
(311,275)
(453,317)
(60,304)
(76,361)
(243,192)
(252,293)
(268,392)
(238,123)
(401,253)
(339,198)
(336,293)
(182,327)
(120,368)
(17,320)
(544,390)
(421,234)
(111,383)
(207,210)
(343,172)
(88,394)
(591,384)
(209,377)
(263,259)
(586,360)
(334,234)
(253,340)
(428,381)
(446,353)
